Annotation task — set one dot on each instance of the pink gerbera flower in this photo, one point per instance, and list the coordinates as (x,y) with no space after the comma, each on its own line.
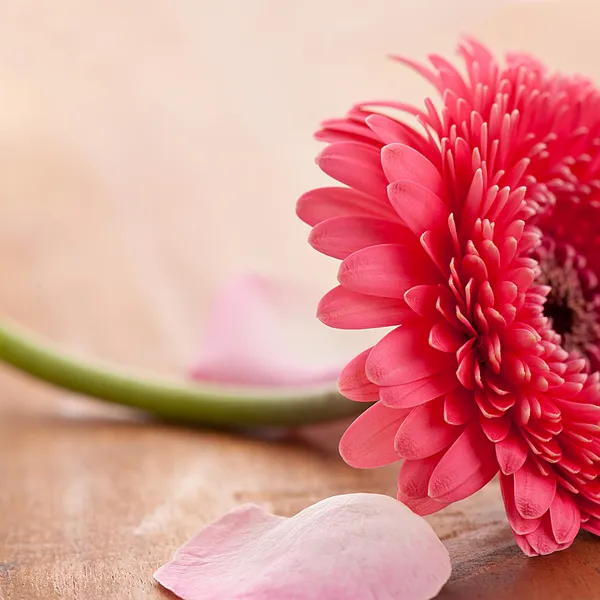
(475,235)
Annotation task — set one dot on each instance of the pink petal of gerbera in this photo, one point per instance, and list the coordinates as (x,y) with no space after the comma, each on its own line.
(593,526)
(391,131)
(465,468)
(511,453)
(401,162)
(458,406)
(445,338)
(565,517)
(326,203)
(518,524)
(496,429)
(388,270)
(348,547)
(356,165)
(542,539)
(414,476)
(423,299)
(525,546)
(534,492)
(341,236)
(260,332)
(419,391)
(369,441)
(413,483)
(418,206)
(404,355)
(424,432)
(353,382)
(343,309)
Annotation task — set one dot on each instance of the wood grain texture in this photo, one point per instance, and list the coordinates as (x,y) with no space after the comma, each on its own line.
(118,180)
(91,506)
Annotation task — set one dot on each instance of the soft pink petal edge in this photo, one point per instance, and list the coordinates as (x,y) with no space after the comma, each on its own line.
(345,547)
(246,338)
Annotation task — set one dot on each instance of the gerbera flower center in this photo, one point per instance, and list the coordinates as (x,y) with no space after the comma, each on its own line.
(573,302)
(558,310)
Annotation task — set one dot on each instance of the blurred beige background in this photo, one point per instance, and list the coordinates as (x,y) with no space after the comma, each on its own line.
(149,149)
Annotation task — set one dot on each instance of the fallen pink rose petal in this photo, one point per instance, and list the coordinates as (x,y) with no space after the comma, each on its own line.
(263,332)
(350,547)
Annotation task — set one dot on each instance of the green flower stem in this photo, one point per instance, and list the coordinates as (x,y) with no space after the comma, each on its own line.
(190,403)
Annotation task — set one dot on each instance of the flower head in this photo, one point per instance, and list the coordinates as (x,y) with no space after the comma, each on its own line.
(474,234)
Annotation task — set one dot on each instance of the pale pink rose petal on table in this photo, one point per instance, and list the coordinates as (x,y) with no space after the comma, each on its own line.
(350,547)
(259,333)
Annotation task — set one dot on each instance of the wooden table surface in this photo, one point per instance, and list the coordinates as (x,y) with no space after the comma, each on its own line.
(92,505)
(117,187)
